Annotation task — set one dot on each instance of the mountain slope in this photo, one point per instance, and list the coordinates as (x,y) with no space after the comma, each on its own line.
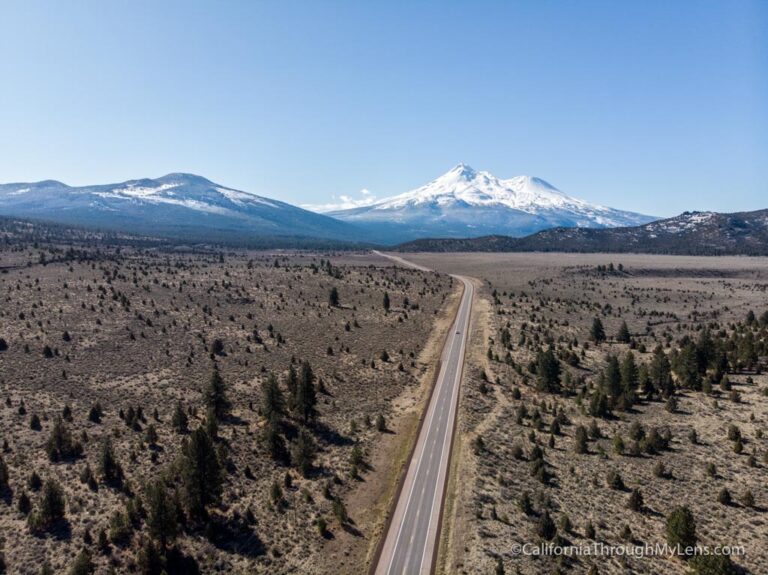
(691,233)
(467,203)
(177,204)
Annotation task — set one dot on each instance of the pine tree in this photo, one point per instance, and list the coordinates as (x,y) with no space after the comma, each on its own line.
(200,474)
(660,373)
(306,396)
(333,297)
(304,453)
(162,515)
(4,476)
(597,333)
(95,413)
(274,441)
(272,404)
(151,435)
(51,507)
(83,564)
(109,467)
(612,379)
(150,560)
(216,396)
(546,528)
(292,384)
(623,336)
(629,373)
(581,440)
(60,444)
(179,421)
(548,372)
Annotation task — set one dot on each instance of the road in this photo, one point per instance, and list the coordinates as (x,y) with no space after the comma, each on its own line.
(411,541)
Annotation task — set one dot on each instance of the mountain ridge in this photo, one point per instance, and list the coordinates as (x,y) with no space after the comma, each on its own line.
(177,202)
(690,233)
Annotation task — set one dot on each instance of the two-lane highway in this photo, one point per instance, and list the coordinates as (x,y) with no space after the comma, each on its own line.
(411,542)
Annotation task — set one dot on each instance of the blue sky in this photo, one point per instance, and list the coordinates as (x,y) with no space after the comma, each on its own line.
(652,106)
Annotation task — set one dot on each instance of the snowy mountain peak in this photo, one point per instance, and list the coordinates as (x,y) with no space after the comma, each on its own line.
(464,202)
(462,170)
(463,184)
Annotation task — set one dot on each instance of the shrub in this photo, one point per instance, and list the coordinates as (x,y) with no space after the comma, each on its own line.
(713,565)
(615,481)
(635,502)
(525,503)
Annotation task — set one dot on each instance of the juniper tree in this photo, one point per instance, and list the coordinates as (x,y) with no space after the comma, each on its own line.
(386,301)
(681,528)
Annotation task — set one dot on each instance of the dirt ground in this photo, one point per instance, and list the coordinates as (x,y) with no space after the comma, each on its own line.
(556,297)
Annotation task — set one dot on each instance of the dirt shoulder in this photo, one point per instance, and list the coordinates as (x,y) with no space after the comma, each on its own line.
(454,528)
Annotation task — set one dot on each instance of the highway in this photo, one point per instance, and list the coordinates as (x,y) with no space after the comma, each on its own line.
(410,543)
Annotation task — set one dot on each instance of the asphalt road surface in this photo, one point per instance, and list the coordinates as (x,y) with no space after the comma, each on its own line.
(411,542)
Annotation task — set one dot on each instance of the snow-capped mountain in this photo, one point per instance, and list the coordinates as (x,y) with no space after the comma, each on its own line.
(468,203)
(177,203)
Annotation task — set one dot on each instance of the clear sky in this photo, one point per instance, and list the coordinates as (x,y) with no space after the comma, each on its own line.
(652,106)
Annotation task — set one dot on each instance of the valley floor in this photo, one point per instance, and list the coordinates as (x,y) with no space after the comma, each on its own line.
(504,417)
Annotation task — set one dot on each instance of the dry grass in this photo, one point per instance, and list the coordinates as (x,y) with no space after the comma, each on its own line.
(141,327)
